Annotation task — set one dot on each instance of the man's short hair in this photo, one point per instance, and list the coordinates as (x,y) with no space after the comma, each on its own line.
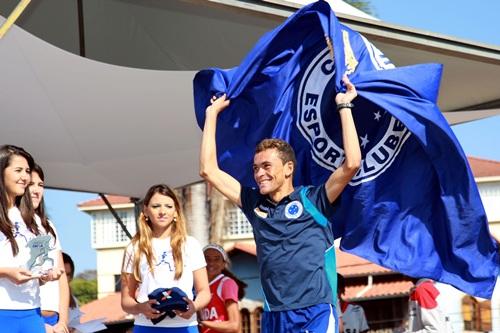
(285,151)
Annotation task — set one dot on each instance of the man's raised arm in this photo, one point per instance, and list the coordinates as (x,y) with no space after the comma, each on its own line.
(209,168)
(343,175)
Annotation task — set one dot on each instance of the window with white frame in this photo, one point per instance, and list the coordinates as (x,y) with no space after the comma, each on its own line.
(236,224)
(107,232)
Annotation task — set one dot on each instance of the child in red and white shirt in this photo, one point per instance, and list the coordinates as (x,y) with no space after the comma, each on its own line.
(222,313)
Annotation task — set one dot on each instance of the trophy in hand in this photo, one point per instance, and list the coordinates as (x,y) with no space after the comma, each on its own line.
(40,263)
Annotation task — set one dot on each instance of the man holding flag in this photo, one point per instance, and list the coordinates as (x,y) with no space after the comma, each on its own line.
(413,205)
(289,224)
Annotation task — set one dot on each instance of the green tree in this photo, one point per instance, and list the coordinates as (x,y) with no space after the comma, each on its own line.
(364,6)
(84,290)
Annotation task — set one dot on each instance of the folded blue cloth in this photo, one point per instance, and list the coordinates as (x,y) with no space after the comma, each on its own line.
(169,299)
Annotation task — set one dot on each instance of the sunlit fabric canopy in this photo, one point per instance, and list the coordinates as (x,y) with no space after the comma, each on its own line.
(95,126)
(122,118)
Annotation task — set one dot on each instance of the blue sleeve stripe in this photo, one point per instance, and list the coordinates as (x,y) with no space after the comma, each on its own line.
(311,209)
(267,308)
(330,260)
(331,270)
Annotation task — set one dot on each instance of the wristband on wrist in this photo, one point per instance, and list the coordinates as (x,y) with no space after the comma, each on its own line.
(344,106)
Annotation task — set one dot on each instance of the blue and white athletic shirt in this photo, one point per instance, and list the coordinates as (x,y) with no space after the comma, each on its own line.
(24,296)
(291,247)
(164,275)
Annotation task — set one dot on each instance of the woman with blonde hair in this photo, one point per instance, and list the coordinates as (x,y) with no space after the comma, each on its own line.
(162,255)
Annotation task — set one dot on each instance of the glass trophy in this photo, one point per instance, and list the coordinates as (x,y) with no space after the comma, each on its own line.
(39,262)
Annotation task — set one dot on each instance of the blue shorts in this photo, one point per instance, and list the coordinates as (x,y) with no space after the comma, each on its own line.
(152,329)
(320,318)
(51,320)
(22,321)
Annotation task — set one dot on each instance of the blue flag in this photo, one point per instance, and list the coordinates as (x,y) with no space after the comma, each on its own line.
(413,206)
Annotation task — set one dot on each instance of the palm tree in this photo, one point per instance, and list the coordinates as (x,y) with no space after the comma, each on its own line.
(194,200)
(217,213)
(204,208)
(364,6)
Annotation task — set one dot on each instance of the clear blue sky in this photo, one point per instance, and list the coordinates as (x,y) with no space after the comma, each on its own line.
(72,226)
(472,20)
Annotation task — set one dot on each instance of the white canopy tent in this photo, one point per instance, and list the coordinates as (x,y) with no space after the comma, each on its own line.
(101,127)
(94,126)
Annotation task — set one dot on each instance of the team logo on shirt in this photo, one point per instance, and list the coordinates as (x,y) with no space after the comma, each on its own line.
(17,232)
(293,209)
(165,260)
(260,213)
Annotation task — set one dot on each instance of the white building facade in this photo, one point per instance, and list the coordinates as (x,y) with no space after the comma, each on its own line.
(109,240)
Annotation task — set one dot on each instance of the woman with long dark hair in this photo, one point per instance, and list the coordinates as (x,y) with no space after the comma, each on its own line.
(54,295)
(19,288)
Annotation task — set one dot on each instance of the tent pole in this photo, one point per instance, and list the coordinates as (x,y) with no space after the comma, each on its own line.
(81,27)
(115,215)
(21,6)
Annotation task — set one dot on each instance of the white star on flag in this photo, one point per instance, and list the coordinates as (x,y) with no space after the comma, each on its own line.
(364,140)
(377,115)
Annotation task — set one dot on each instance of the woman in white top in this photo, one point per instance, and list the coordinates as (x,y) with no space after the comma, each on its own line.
(19,288)
(54,295)
(162,255)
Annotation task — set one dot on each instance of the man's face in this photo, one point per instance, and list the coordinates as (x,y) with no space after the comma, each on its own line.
(269,171)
